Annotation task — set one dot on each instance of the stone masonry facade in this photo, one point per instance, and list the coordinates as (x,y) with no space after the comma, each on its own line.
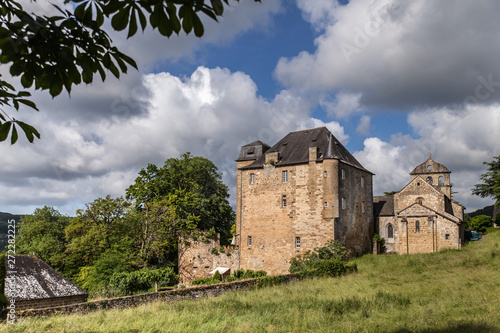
(421,218)
(198,258)
(287,205)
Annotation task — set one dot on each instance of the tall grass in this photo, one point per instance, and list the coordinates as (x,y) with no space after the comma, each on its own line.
(449,291)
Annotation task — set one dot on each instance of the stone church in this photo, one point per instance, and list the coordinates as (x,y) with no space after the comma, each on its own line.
(298,194)
(421,217)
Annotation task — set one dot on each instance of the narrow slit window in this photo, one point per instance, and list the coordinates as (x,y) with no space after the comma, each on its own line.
(249,241)
(417,226)
(325,204)
(325,174)
(283,201)
(343,203)
(252,178)
(284,176)
(390,231)
(297,242)
(343,174)
(362,182)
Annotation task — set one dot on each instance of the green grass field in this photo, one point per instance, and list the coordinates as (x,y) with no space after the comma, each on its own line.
(450,291)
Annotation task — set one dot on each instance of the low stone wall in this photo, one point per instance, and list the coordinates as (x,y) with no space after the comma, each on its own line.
(49,302)
(194,292)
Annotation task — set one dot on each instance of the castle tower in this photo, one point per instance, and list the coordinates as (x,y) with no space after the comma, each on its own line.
(435,174)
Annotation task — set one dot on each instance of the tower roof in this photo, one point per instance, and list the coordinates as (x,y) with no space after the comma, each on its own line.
(294,149)
(429,167)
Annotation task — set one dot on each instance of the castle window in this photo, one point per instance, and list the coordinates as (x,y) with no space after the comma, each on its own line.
(325,204)
(441,180)
(363,207)
(283,201)
(284,176)
(343,203)
(362,182)
(447,236)
(390,231)
(419,200)
(417,226)
(249,240)
(325,174)
(252,178)
(343,174)
(429,180)
(297,242)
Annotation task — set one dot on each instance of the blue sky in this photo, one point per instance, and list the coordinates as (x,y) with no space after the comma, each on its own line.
(392,80)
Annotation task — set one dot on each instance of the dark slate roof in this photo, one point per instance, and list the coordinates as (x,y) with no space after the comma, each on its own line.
(32,279)
(294,149)
(383,206)
(436,167)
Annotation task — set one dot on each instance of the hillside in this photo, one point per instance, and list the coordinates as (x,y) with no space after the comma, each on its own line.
(488,210)
(450,291)
(4,218)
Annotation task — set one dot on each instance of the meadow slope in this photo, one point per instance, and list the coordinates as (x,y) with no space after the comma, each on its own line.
(449,291)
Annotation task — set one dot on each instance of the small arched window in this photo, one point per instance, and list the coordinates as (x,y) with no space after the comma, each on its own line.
(441,180)
(417,226)
(429,180)
(419,200)
(390,231)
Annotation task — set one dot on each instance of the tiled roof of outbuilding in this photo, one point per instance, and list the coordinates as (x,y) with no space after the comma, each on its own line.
(294,149)
(383,205)
(35,279)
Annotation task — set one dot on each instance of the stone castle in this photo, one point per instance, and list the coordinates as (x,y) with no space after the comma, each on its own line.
(308,189)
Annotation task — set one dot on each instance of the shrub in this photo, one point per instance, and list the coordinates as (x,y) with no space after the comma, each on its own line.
(143,279)
(330,260)
(377,238)
(481,222)
(201,281)
(238,274)
(217,276)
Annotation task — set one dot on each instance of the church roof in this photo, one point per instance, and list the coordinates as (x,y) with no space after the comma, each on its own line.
(383,205)
(294,149)
(429,167)
(32,278)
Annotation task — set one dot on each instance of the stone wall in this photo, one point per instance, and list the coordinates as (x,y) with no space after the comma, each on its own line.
(312,216)
(49,302)
(198,258)
(164,296)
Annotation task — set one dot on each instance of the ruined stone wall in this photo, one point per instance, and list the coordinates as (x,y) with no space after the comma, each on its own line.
(198,258)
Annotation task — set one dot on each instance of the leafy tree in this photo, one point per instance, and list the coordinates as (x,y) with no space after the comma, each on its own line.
(43,233)
(158,228)
(481,222)
(490,186)
(55,53)
(193,186)
(102,225)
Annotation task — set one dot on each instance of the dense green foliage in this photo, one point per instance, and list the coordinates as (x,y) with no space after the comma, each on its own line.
(193,185)
(42,233)
(490,186)
(54,53)
(329,260)
(115,246)
(480,223)
(447,291)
